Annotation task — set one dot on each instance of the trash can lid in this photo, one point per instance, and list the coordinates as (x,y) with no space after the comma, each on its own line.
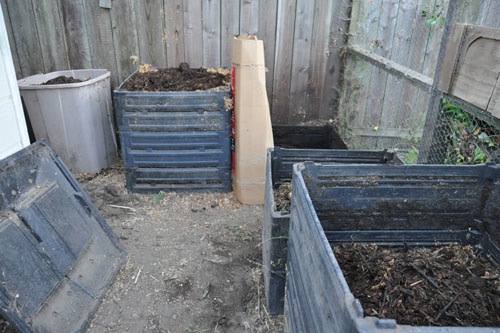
(57,254)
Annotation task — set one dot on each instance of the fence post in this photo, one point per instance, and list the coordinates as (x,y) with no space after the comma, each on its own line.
(434,104)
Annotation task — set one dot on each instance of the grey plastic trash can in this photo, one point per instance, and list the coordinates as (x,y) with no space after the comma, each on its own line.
(75,118)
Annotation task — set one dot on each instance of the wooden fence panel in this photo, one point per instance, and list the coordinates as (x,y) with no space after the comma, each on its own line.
(303,42)
(77,39)
(193,33)
(124,37)
(101,39)
(381,110)
(150,32)
(301,56)
(267,33)
(47,19)
(283,60)
(298,39)
(211,33)
(174,27)
(25,36)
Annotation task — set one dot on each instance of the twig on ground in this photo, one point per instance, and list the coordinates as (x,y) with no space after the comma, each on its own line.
(138,274)
(450,303)
(421,272)
(122,207)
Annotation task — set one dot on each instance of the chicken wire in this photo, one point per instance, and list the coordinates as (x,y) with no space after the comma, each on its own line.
(463,137)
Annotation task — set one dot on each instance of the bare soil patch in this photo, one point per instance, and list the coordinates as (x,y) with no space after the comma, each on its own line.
(182,78)
(438,286)
(193,265)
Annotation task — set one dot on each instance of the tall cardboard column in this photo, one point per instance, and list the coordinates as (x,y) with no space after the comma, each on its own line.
(253,131)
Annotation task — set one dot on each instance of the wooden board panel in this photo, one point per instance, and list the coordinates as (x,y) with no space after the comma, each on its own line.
(174,26)
(387,110)
(301,56)
(101,39)
(77,39)
(320,40)
(25,37)
(10,34)
(249,17)
(473,66)
(283,61)
(193,33)
(230,26)
(267,33)
(211,33)
(150,32)
(52,38)
(124,37)
(355,90)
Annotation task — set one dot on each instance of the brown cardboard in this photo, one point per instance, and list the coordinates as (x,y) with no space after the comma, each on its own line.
(253,130)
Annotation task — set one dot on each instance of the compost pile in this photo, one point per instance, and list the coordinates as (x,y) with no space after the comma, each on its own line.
(62,80)
(438,286)
(182,78)
(283,196)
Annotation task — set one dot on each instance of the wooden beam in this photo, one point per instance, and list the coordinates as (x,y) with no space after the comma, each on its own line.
(415,78)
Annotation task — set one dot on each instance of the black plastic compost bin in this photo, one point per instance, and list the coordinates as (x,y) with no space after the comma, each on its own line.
(275,227)
(175,141)
(57,254)
(417,205)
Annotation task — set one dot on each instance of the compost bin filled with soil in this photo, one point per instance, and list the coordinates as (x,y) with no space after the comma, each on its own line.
(182,78)
(440,286)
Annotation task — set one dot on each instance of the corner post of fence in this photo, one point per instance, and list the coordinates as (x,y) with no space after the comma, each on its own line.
(434,105)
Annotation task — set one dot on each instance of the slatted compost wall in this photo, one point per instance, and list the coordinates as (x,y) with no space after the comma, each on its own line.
(302,41)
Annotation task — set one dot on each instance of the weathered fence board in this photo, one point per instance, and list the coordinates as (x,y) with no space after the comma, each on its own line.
(283,60)
(267,32)
(125,40)
(299,94)
(303,41)
(149,14)
(25,35)
(193,33)
(47,19)
(101,39)
(174,39)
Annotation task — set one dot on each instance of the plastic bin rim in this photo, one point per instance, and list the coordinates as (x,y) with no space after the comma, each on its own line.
(24,85)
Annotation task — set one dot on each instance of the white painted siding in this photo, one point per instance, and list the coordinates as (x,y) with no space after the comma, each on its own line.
(13,132)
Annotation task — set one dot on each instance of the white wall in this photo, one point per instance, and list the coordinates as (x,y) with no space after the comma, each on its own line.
(13,131)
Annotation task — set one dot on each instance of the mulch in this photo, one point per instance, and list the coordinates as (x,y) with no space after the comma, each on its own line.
(435,286)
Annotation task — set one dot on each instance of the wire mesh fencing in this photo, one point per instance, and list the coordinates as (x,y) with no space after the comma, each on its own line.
(460,138)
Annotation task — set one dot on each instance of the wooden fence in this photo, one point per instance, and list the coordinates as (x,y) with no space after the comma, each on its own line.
(302,41)
(389,61)
(393,52)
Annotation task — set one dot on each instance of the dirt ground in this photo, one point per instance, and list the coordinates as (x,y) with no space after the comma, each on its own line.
(194,261)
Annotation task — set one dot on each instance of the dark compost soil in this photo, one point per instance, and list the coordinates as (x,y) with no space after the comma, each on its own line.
(182,78)
(438,286)
(62,80)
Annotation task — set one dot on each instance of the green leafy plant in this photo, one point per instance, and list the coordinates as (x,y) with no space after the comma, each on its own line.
(411,156)
(470,139)
(435,16)
(158,197)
